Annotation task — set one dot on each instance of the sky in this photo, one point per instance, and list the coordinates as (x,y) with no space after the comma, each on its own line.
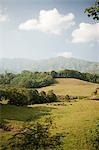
(40,29)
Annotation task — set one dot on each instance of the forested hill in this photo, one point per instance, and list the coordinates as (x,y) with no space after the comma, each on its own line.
(29,79)
(57,63)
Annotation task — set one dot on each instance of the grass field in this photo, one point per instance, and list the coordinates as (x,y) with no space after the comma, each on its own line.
(73,119)
(72,87)
(76,120)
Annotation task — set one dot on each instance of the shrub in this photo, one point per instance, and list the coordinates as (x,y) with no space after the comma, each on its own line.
(51,97)
(36,137)
(93,139)
(16,98)
(67,97)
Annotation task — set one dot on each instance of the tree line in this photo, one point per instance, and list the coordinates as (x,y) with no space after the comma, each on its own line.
(76,74)
(30,79)
(26,79)
(20,97)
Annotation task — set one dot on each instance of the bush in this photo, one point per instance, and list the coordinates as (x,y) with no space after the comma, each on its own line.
(67,97)
(51,97)
(16,98)
(36,137)
(93,138)
(43,97)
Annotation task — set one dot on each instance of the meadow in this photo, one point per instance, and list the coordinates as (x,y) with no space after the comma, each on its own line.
(70,86)
(77,120)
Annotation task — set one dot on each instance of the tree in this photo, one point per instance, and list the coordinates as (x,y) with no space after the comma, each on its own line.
(93,11)
(43,97)
(2,94)
(51,97)
(32,96)
(54,74)
(16,98)
(36,137)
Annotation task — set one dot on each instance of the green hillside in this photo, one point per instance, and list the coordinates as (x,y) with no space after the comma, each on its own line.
(77,121)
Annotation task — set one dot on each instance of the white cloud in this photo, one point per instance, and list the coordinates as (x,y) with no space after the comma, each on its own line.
(50,21)
(66,54)
(86,33)
(3,17)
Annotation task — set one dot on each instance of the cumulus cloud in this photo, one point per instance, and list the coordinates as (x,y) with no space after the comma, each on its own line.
(50,21)
(66,54)
(86,33)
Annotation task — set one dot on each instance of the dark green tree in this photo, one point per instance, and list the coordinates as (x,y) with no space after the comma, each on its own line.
(43,97)
(32,96)
(54,74)
(16,98)
(36,137)
(93,11)
(51,97)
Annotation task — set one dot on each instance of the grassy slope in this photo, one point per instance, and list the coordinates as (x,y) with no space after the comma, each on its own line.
(74,120)
(23,114)
(15,117)
(72,87)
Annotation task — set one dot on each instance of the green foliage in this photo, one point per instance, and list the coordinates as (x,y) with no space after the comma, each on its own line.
(6,78)
(93,139)
(3,94)
(53,74)
(76,74)
(51,97)
(36,137)
(4,126)
(77,122)
(27,79)
(20,97)
(33,97)
(67,97)
(16,98)
(43,97)
(93,11)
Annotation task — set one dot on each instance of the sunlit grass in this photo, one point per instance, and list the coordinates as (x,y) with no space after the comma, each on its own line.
(72,87)
(73,119)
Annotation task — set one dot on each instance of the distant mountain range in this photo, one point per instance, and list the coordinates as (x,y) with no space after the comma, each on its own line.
(57,63)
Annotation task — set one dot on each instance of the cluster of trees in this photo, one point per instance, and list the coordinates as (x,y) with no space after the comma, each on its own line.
(26,79)
(22,97)
(76,74)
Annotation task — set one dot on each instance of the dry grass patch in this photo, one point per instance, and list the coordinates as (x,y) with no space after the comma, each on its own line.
(70,86)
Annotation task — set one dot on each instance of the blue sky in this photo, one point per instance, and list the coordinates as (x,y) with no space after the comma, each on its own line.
(38,29)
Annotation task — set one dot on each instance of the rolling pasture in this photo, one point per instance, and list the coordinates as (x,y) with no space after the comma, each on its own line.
(70,86)
(77,120)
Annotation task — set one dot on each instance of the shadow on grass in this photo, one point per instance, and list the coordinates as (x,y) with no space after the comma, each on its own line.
(10,112)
